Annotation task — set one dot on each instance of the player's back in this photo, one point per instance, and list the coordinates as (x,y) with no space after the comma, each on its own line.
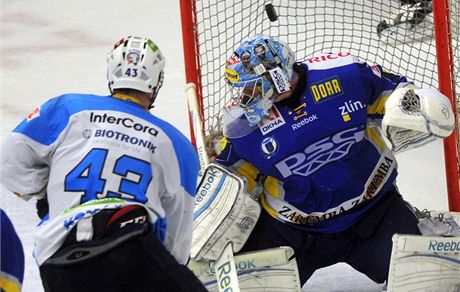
(100,146)
(91,153)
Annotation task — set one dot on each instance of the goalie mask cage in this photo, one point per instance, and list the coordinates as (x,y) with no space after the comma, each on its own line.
(428,53)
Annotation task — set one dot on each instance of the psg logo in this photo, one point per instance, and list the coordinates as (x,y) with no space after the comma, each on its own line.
(269,147)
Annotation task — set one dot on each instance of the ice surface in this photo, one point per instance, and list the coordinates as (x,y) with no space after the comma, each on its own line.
(50,47)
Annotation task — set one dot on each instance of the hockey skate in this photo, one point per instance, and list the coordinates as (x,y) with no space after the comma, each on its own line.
(411,23)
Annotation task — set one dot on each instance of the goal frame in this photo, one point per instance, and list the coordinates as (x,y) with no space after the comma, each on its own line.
(445,66)
(444,56)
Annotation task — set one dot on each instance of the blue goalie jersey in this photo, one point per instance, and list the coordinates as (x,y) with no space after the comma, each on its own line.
(325,162)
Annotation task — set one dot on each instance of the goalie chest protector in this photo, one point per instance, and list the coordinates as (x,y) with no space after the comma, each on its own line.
(323,158)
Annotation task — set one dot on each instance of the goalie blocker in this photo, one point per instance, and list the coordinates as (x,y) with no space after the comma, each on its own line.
(224,212)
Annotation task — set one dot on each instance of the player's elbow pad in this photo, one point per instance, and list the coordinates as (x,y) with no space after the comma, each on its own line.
(423,110)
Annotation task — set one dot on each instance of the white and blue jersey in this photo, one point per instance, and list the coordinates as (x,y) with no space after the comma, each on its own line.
(89,153)
(324,163)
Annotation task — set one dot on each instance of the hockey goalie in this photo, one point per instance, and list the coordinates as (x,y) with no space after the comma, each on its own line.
(312,142)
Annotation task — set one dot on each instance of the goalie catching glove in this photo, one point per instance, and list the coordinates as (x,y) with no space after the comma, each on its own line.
(414,117)
(224,212)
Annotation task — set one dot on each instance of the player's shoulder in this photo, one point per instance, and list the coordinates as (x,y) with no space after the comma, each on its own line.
(73,100)
(172,132)
(333,61)
(173,137)
(166,126)
(62,106)
(67,97)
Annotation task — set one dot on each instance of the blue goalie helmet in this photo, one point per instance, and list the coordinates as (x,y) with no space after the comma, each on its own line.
(257,72)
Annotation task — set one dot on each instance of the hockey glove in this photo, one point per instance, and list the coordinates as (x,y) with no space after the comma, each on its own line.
(414,116)
(42,207)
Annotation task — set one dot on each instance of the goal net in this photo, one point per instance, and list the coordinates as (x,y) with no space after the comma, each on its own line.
(212,30)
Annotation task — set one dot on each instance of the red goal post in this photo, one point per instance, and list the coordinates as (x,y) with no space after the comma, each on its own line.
(212,28)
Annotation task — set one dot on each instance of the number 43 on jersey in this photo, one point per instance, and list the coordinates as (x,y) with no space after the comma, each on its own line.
(87,177)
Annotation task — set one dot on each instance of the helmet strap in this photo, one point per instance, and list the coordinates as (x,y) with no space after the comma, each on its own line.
(156,89)
(154,96)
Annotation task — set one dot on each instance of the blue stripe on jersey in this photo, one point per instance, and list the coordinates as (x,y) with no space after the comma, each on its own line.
(160,228)
(55,114)
(44,219)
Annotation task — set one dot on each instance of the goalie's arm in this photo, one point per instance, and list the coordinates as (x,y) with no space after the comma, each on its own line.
(413,116)
(232,161)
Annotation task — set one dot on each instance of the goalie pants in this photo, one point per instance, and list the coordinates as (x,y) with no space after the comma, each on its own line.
(366,246)
(140,263)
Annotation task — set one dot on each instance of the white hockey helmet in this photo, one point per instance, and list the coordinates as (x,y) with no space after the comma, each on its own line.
(136,63)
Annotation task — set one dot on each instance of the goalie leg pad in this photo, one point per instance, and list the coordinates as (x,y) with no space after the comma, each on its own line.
(424,263)
(223,213)
(272,269)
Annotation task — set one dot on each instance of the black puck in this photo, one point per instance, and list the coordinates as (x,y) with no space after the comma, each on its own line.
(271,12)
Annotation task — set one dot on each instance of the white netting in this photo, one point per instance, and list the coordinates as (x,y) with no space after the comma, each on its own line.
(313,27)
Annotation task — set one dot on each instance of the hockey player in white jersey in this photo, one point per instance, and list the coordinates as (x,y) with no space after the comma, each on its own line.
(120,182)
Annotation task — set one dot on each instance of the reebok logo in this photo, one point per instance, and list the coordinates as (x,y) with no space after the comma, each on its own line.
(211,176)
(304,121)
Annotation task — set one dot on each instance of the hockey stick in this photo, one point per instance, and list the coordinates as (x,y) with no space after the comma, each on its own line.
(273,269)
(225,271)
(197,125)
